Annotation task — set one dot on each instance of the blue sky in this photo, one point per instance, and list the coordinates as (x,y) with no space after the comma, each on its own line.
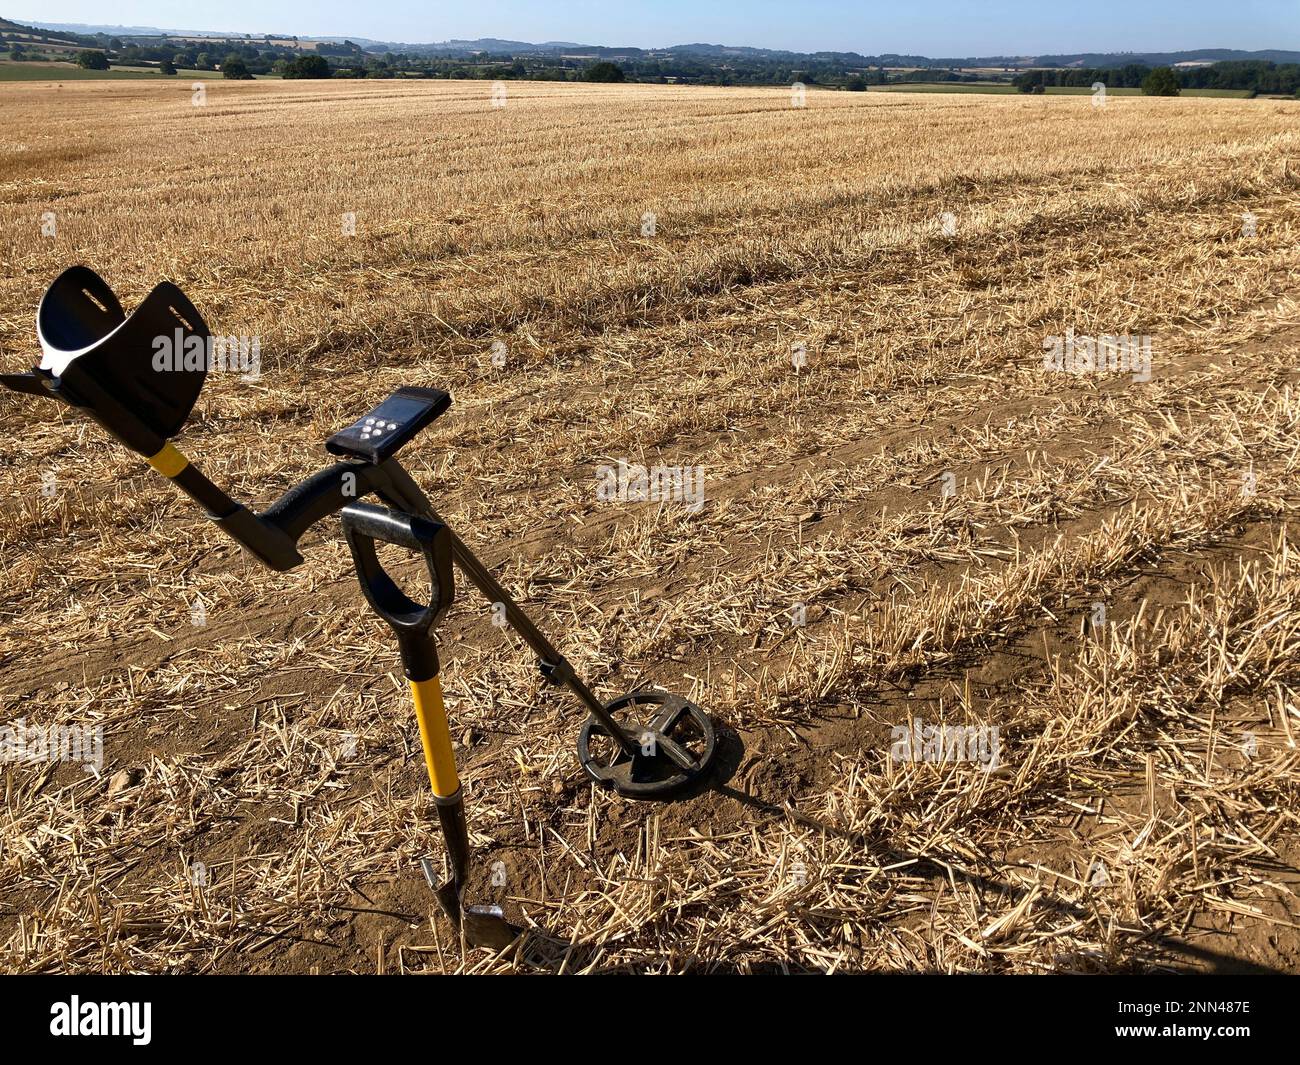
(927,27)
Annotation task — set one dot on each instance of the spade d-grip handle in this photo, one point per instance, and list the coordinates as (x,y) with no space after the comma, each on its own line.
(365,525)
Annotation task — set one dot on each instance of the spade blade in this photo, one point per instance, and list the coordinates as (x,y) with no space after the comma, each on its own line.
(483,926)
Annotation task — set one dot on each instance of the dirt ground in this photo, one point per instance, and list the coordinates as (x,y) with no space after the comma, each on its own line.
(838,313)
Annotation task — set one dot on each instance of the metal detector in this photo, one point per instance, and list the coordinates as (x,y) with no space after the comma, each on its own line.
(96,359)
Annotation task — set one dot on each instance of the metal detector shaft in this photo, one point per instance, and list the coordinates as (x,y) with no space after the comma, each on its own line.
(410,497)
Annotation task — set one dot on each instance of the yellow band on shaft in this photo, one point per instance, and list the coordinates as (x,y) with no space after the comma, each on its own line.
(438,756)
(169,462)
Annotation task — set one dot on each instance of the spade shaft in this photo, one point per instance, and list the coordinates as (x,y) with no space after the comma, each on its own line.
(414,623)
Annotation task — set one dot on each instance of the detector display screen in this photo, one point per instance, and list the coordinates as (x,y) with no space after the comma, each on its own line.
(399,409)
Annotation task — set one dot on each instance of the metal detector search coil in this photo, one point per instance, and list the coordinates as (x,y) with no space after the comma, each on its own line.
(675,746)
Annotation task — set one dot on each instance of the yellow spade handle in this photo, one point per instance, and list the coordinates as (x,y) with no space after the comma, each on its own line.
(435,736)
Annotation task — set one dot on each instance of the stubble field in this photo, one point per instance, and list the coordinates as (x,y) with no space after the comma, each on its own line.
(838,312)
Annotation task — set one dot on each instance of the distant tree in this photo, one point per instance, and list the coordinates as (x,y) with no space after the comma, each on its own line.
(166,67)
(16,53)
(115,43)
(92,60)
(1162,81)
(307,66)
(235,69)
(203,61)
(1131,75)
(180,59)
(604,71)
(856,84)
(1029,81)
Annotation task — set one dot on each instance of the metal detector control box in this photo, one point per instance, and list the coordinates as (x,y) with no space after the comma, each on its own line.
(379,435)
